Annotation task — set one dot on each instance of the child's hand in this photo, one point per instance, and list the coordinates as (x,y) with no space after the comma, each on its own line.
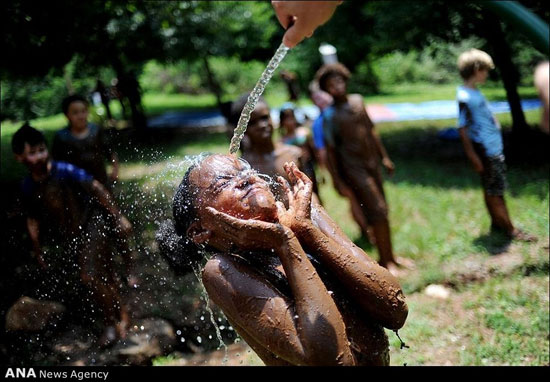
(478,165)
(114,175)
(247,234)
(388,165)
(124,225)
(298,213)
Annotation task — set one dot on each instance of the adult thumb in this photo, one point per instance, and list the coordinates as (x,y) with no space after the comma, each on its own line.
(295,34)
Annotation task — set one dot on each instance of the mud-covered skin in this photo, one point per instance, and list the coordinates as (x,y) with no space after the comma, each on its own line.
(356,157)
(294,319)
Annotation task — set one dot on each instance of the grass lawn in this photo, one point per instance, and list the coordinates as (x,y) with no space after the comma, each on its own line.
(497,312)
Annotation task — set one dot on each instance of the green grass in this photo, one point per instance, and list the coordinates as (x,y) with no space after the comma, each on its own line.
(437,218)
(503,321)
(429,92)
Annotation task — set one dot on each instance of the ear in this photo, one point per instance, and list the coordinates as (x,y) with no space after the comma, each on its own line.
(19,158)
(198,234)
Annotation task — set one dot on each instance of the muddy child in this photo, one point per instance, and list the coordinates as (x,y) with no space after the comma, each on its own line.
(64,206)
(481,137)
(355,155)
(258,146)
(289,281)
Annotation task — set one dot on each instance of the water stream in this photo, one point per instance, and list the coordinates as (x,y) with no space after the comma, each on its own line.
(254,96)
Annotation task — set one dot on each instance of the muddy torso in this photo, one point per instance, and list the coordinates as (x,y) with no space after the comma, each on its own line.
(354,140)
(368,339)
(61,208)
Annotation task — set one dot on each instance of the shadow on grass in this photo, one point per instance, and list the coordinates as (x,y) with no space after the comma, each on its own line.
(493,242)
(364,243)
(421,158)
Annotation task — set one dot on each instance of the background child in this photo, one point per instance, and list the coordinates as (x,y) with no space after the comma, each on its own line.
(82,143)
(482,139)
(300,136)
(61,203)
(354,155)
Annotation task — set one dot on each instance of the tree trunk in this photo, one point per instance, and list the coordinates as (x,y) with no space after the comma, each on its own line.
(492,30)
(129,87)
(212,83)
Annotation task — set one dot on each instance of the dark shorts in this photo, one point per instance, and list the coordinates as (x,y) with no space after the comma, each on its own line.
(493,177)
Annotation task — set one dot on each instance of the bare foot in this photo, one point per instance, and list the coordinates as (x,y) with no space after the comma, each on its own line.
(396,269)
(520,235)
(405,263)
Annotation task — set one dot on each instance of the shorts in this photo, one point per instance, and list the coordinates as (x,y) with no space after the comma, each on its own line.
(493,177)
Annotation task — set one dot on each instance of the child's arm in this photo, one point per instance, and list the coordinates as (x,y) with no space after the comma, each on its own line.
(373,288)
(33,227)
(469,150)
(386,161)
(332,167)
(303,329)
(106,200)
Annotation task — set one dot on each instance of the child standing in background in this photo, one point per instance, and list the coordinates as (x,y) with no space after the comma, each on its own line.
(482,140)
(81,143)
(355,155)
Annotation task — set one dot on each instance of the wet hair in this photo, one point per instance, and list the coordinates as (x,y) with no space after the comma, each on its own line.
(472,60)
(26,134)
(285,112)
(237,107)
(331,70)
(181,253)
(67,101)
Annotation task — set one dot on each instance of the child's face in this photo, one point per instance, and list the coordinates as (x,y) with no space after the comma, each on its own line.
(231,186)
(481,75)
(336,86)
(77,114)
(34,157)
(289,121)
(260,127)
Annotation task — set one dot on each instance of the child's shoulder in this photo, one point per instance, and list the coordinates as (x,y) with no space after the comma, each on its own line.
(464,93)
(355,98)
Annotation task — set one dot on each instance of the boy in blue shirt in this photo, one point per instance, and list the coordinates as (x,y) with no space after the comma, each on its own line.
(63,203)
(482,139)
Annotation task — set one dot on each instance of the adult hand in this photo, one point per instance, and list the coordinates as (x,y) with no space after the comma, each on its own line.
(247,234)
(301,18)
(298,213)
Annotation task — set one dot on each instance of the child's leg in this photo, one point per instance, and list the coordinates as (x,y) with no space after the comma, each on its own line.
(359,217)
(498,212)
(382,234)
(97,274)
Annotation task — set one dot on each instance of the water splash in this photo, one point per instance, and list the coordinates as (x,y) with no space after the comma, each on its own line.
(254,96)
(197,272)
